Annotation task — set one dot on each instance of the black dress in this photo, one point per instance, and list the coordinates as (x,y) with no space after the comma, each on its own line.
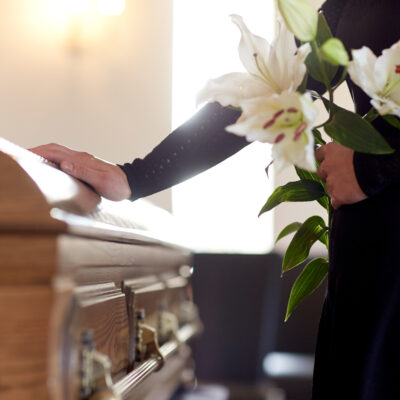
(358,348)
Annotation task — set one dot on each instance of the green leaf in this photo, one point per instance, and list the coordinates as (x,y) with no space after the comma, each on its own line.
(351,130)
(299,248)
(308,281)
(304,190)
(293,227)
(334,53)
(392,120)
(318,137)
(313,62)
(324,202)
(268,167)
(371,115)
(307,175)
(324,239)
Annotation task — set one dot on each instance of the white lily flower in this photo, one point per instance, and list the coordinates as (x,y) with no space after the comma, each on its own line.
(284,120)
(270,69)
(379,77)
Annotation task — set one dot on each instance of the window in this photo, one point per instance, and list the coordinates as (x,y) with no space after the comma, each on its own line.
(219,207)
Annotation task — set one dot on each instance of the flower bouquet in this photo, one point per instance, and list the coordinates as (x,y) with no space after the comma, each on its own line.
(278,109)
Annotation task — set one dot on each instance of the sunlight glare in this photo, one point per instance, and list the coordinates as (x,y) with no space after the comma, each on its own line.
(75,6)
(111,7)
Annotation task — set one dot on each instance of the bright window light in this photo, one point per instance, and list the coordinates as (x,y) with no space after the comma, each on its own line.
(219,207)
(75,6)
(111,7)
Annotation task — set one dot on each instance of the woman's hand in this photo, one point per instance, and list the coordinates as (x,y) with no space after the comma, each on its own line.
(337,170)
(107,179)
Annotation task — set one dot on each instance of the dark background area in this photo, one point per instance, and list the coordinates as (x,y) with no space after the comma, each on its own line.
(242,301)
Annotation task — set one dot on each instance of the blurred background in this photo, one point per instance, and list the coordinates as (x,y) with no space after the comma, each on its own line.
(113,78)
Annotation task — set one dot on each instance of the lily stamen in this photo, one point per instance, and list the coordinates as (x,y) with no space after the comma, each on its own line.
(391,86)
(300,129)
(269,123)
(279,138)
(266,74)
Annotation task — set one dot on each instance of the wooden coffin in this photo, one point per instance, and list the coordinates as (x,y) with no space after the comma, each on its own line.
(93,304)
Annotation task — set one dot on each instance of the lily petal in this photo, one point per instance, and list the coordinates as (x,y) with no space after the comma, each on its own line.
(283,120)
(231,88)
(361,69)
(249,45)
(286,61)
(308,108)
(385,67)
(379,77)
(299,153)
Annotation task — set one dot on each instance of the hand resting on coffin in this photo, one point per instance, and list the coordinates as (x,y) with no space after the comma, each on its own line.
(107,179)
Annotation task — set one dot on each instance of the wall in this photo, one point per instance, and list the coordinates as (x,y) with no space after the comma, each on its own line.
(111,98)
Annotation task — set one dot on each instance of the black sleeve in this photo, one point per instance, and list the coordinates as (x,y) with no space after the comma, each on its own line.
(195,146)
(376,172)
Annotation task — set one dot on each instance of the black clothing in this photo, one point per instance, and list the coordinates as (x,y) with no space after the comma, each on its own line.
(195,146)
(358,349)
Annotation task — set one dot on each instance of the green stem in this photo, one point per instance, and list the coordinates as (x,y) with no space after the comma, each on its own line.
(326,82)
(371,115)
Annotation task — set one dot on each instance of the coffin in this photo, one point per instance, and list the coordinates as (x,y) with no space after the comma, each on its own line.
(95,297)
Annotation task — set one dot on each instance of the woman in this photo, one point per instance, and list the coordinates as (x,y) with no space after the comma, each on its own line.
(358,349)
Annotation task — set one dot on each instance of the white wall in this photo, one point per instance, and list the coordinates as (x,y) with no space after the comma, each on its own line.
(112,99)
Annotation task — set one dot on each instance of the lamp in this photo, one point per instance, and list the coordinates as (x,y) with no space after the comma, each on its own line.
(87,18)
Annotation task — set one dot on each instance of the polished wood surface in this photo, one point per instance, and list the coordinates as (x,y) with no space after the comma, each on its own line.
(74,266)
(24,335)
(102,308)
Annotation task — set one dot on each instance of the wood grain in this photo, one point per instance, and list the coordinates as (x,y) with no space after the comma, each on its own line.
(102,309)
(27,258)
(24,332)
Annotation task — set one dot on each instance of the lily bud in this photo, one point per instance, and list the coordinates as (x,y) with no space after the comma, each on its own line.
(333,51)
(300,17)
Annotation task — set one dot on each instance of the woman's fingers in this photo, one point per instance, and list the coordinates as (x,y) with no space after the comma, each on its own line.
(320,154)
(337,170)
(81,171)
(107,179)
(321,173)
(54,152)
(335,204)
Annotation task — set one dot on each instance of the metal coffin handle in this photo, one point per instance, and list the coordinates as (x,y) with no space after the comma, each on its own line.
(126,385)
